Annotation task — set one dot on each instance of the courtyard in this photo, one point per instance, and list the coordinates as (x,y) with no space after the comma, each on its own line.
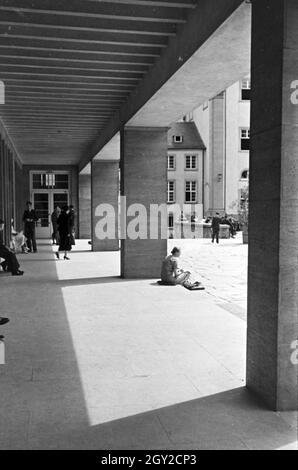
(94,361)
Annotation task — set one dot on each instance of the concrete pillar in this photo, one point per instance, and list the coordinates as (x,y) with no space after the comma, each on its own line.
(143,181)
(217,153)
(273,225)
(105,190)
(7,188)
(85,206)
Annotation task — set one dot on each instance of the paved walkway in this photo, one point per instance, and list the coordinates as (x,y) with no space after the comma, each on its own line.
(96,362)
(222,269)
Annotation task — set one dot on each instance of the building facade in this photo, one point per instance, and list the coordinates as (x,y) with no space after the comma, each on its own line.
(223,123)
(186,152)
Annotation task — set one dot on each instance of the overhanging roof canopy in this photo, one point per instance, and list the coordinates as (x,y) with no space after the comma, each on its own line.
(69,66)
(77,71)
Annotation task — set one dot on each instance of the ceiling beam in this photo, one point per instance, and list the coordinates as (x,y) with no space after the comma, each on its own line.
(119,88)
(103,10)
(19,93)
(61,95)
(95,107)
(31,31)
(72,56)
(71,64)
(155,3)
(82,47)
(41,70)
(83,24)
(65,128)
(86,118)
(20,97)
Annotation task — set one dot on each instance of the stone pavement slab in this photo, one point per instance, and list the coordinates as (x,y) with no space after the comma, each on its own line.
(94,361)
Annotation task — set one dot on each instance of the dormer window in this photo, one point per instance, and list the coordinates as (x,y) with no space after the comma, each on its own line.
(178,139)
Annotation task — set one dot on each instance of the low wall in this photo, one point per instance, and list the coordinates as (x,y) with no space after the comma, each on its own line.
(194,230)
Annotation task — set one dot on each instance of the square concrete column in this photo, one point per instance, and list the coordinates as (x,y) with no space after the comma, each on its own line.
(143,182)
(85,206)
(105,201)
(272,349)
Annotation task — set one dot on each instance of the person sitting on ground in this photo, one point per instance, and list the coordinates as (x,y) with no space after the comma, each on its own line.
(171,275)
(10,262)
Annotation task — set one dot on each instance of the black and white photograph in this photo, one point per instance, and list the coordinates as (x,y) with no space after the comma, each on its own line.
(148,230)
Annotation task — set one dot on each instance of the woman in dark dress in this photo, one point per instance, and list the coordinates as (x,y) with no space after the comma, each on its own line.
(64,232)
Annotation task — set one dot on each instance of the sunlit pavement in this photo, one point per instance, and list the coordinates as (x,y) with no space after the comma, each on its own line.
(222,269)
(96,362)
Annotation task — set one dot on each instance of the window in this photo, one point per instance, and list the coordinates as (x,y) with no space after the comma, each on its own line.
(178,139)
(50,181)
(61,181)
(171,220)
(245,89)
(171,191)
(244,175)
(244,139)
(171,162)
(191,162)
(190,191)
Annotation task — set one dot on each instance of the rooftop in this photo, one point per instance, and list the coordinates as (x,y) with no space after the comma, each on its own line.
(190,134)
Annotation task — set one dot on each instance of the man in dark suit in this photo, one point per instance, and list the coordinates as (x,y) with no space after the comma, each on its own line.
(215,227)
(10,262)
(29,219)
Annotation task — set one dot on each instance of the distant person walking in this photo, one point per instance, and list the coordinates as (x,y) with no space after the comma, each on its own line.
(215,226)
(54,218)
(30,218)
(64,233)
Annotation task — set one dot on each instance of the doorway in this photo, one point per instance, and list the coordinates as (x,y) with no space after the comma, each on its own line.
(48,190)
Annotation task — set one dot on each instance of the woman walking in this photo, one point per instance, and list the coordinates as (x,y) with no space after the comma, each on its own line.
(64,233)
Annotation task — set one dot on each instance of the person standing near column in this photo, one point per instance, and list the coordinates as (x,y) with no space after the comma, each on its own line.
(29,219)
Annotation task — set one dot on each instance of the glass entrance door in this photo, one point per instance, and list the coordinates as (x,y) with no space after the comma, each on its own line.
(41,204)
(59,199)
(49,190)
(44,204)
